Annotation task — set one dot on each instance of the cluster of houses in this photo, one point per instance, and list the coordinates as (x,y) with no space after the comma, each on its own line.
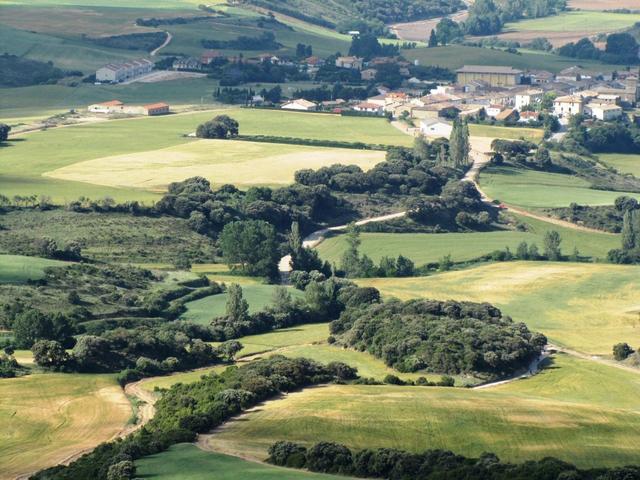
(118,107)
(120,72)
(503,93)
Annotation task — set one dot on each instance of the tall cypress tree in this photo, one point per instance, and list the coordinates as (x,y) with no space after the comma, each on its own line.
(628,234)
(433,39)
(459,146)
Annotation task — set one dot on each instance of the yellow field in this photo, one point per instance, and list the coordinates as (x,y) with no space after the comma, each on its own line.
(45,418)
(588,307)
(567,412)
(240,163)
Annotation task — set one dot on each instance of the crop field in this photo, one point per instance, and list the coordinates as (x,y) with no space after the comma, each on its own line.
(455,56)
(51,150)
(258,296)
(624,163)
(569,26)
(533,189)
(20,269)
(185,461)
(239,163)
(425,248)
(587,307)
(564,412)
(508,133)
(47,417)
(602,4)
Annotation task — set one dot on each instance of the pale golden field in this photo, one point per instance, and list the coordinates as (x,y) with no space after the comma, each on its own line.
(587,307)
(45,418)
(241,163)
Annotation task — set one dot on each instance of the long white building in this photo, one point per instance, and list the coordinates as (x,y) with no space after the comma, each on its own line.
(119,72)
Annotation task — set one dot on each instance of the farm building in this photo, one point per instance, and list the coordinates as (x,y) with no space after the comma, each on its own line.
(116,106)
(368,74)
(210,56)
(494,76)
(187,64)
(300,104)
(119,72)
(528,117)
(113,106)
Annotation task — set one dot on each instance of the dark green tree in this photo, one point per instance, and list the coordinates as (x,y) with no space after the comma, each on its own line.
(4,132)
(251,247)
(621,351)
(552,241)
(237,308)
(49,354)
(433,39)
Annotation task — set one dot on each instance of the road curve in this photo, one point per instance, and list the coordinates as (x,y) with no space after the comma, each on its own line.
(166,42)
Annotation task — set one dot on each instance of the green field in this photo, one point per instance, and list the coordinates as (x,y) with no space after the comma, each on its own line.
(258,296)
(20,269)
(586,21)
(567,412)
(425,248)
(624,163)
(509,133)
(187,462)
(50,150)
(455,56)
(47,417)
(587,307)
(533,189)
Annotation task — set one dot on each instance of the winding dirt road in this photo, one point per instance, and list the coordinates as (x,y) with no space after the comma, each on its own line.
(166,42)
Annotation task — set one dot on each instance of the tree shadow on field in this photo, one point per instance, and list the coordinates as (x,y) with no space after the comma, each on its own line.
(11,141)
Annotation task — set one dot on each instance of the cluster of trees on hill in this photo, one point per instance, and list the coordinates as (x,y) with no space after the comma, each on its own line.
(487,17)
(133,41)
(20,72)
(221,126)
(335,458)
(188,409)
(338,90)
(445,337)
(619,136)
(367,46)
(602,217)
(621,48)
(266,41)
(237,73)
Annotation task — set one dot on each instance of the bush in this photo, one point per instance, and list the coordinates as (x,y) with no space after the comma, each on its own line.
(621,351)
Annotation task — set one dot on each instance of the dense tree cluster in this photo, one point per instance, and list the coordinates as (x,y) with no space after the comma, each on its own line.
(487,17)
(608,218)
(621,48)
(367,46)
(146,41)
(266,41)
(387,463)
(237,73)
(630,251)
(188,409)
(221,126)
(21,72)
(4,132)
(445,337)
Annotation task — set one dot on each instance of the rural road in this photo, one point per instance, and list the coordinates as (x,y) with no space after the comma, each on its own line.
(166,42)
(534,367)
(419,30)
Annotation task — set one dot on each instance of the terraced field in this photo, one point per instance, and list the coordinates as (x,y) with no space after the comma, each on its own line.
(533,189)
(425,248)
(47,417)
(567,411)
(587,307)
(187,462)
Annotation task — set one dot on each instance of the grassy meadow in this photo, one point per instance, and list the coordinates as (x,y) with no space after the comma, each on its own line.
(508,133)
(20,269)
(46,417)
(185,461)
(533,189)
(624,163)
(585,21)
(48,151)
(425,248)
(567,412)
(587,307)
(258,296)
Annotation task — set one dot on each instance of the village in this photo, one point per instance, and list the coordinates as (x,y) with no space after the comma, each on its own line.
(496,95)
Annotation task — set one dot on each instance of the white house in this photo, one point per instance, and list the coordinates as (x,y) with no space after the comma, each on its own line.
(369,108)
(434,127)
(530,97)
(493,110)
(299,104)
(119,72)
(603,111)
(568,106)
(349,62)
